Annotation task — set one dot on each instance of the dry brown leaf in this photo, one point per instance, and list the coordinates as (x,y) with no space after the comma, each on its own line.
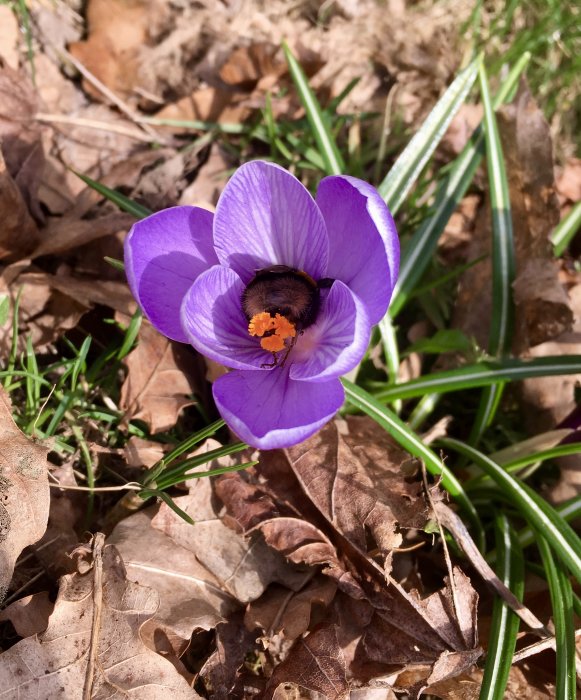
(303,543)
(9,33)
(65,233)
(384,623)
(316,662)
(191,598)
(357,483)
(19,233)
(161,378)
(244,565)
(29,615)
(233,643)
(24,493)
(467,687)
(247,64)
(20,135)
(92,640)
(43,312)
(288,613)
(116,31)
(142,453)
(210,180)
(569,181)
(209,103)
(549,400)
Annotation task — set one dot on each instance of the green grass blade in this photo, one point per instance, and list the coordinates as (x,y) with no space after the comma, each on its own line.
(14,344)
(519,463)
(535,509)
(566,230)
(183,471)
(32,383)
(334,164)
(418,252)
(185,446)
(423,410)
(123,202)
(4,308)
(505,623)
(503,264)
(562,604)
(389,341)
(130,335)
(481,374)
(413,444)
(408,166)
(195,125)
(80,364)
(569,511)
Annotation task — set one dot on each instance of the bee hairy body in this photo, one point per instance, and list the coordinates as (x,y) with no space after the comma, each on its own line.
(285,291)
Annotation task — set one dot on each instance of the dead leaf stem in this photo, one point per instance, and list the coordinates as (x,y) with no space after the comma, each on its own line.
(457,529)
(98,544)
(95,124)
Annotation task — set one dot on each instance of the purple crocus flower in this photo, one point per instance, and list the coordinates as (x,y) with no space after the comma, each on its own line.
(278,286)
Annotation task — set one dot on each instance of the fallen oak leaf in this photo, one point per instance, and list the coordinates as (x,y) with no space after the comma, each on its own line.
(92,640)
(24,492)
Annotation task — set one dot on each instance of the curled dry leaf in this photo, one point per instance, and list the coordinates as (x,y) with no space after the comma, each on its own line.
(19,233)
(161,378)
(24,492)
(92,640)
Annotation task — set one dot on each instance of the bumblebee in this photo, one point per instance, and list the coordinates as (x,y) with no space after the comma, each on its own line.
(279,303)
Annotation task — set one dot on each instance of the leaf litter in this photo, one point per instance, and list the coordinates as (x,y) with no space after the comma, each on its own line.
(314,573)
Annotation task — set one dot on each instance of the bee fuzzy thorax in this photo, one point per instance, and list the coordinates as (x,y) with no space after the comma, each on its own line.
(279,303)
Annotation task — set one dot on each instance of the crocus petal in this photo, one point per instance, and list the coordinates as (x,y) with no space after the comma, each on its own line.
(269,410)
(214,323)
(336,342)
(164,254)
(363,242)
(265,217)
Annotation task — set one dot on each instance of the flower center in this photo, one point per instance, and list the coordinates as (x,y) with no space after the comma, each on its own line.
(272,330)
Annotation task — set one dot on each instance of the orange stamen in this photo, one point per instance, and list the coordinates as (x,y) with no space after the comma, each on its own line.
(273,331)
(272,343)
(261,323)
(283,327)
